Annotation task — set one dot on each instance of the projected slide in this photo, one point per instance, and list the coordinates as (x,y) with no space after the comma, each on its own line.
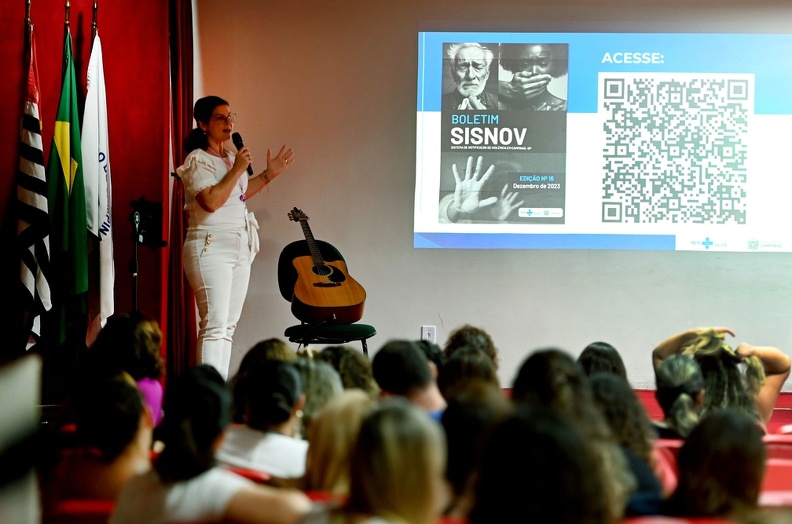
(604,141)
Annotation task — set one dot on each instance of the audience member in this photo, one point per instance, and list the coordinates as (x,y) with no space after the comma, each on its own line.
(551,378)
(601,356)
(537,466)
(185,485)
(465,364)
(434,354)
(272,395)
(396,469)
(680,393)
(353,367)
(265,350)
(115,430)
(748,378)
(721,468)
(468,335)
(632,430)
(401,369)
(320,383)
(309,352)
(131,343)
(473,408)
(331,437)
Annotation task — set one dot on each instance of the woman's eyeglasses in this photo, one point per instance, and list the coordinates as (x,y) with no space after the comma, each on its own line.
(230,117)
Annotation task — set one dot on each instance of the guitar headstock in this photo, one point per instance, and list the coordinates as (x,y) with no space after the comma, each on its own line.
(297,215)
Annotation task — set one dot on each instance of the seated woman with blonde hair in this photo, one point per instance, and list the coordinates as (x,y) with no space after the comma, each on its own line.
(330,440)
(749,377)
(396,470)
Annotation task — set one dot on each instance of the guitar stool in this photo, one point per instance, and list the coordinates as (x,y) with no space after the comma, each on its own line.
(332,334)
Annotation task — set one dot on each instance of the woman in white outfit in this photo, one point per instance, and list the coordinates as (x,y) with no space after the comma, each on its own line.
(222,236)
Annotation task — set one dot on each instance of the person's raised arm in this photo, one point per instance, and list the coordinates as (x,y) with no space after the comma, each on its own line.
(674,344)
(776,366)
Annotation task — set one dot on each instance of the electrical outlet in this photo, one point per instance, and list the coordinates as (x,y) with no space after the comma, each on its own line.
(429,333)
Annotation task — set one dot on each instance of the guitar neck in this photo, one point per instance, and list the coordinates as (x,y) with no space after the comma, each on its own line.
(316,255)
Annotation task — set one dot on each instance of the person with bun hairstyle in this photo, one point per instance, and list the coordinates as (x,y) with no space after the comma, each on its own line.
(680,393)
(186,484)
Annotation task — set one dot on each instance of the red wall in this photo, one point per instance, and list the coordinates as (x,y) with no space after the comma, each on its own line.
(135,50)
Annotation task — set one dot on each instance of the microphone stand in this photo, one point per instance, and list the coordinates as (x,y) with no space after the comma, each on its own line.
(133,265)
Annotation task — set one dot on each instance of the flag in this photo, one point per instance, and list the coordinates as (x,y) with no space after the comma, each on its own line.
(66,201)
(98,192)
(33,225)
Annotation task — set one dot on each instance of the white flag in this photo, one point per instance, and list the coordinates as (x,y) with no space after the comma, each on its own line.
(98,188)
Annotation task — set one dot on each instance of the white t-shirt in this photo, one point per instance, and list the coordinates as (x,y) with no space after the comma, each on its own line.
(201,499)
(274,453)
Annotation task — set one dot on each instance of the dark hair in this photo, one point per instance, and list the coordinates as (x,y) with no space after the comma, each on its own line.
(539,466)
(471,412)
(269,392)
(197,411)
(465,364)
(107,413)
(601,356)
(400,367)
(510,57)
(551,378)
(468,335)
(202,112)
(262,351)
(624,413)
(433,353)
(131,343)
(721,466)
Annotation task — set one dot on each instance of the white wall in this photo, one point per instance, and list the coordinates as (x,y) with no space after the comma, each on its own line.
(336,80)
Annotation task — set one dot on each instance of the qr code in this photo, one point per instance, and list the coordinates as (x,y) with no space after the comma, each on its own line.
(675,147)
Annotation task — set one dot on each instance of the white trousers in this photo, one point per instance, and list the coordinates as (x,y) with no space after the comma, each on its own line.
(217,266)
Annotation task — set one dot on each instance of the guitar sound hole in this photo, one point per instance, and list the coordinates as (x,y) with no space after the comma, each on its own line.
(322,271)
(332,273)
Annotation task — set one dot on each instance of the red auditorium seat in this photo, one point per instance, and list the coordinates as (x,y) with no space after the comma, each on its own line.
(668,450)
(659,519)
(778,446)
(778,475)
(257,476)
(82,511)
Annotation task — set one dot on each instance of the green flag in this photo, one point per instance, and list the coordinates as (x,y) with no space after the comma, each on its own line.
(66,199)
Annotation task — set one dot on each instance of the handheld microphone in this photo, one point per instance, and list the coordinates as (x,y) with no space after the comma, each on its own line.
(236,138)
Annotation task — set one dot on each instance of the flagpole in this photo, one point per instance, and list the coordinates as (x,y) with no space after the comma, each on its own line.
(27,22)
(68,6)
(94,25)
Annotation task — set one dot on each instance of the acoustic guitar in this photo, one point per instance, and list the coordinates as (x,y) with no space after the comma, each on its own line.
(323,291)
